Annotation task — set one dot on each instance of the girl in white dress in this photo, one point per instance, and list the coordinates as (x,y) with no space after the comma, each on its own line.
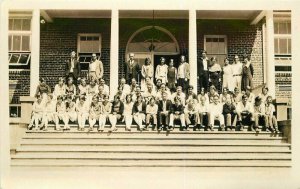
(106,113)
(161,71)
(61,114)
(59,89)
(147,71)
(70,112)
(82,110)
(37,112)
(95,112)
(128,105)
(228,75)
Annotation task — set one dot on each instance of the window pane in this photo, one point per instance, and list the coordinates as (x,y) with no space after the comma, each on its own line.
(276,28)
(222,40)
(13,111)
(24,58)
(25,43)
(208,39)
(214,48)
(283,46)
(208,47)
(26,25)
(10,25)
(222,48)
(16,43)
(283,28)
(276,50)
(9,43)
(17,24)
(14,58)
(289,28)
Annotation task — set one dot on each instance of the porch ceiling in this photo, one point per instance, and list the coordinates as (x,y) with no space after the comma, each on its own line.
(158,14)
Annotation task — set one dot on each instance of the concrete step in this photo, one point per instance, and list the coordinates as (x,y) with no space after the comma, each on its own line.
(158,149)
(149,163)
(157,156)
(158,141)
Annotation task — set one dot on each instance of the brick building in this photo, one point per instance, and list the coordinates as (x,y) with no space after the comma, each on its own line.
(41,40)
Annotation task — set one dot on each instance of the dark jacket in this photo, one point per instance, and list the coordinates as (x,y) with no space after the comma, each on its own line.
(168,105)
(228,109)
(175,108)
(135,108)
(200,67)
(76,69)
(134,69)
(121,109)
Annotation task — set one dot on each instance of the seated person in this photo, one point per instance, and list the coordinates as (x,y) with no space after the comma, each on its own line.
(133,85)
(237,96)
(106,112)
(225,95)
(258,112)
(203,111)
(105,87)
(151,113)
(179,94)
(116,113)
(230,114)
(212,93)
(216,110)
(70,88)
(137,94)
(71,113)
(127,114)
(82,110)
(149,93)
(37,112)
(121,94)
(271,121)
(125,87)
(61,113)
(201,95)
(139,111)
(49,112)
(95,112)
(43,90)
(164,107)
(191,114)
(101,93)
(158,84)
(264,94)
(251,96)
(177,113)
(163,89)
(60,88)
(244,111)
(92,90)
(148,82)
(190,94)
(83,87)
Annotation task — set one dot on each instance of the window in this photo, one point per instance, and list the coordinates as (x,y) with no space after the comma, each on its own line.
(282,38)
(14,110)
(216,45)
(87,45)
(19,41)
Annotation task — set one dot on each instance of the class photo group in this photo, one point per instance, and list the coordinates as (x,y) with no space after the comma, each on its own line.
(157,98)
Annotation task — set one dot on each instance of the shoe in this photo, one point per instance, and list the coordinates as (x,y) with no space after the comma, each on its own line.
(129,129)
(211,128)
(45,129)
(30,127)
(57,129)
(276,130)
(256,130)
(145,129)
(115,129)
(222,127)
(159,128)
(90,128)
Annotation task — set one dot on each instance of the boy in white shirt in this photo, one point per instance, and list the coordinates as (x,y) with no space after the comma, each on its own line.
(245,112)
(191,114)
(271,122)
(203,110)
(151,111)
(216,110)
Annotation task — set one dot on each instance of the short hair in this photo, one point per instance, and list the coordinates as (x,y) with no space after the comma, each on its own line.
(178,87)
(61,79)
(191,87)
(177,99)
(244,96)
(257,99)
(162,58)
(42,79)
(131,54)
(60,97)
(147,60)
(158,80)
(82,97)
(203,51)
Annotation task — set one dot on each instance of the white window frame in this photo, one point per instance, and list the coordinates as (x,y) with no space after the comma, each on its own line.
(20,33)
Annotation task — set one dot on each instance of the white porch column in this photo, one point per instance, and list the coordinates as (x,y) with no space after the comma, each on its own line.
(193,48)
(114,52)
(35,51)
(270,53)
(4,100)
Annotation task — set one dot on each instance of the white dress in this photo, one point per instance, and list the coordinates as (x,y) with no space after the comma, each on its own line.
(228,77)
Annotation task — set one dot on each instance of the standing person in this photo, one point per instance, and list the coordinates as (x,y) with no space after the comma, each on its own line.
(237,69)
(151,112)
(147,71)
(37,112)
(227,75)
(164,107)
(127,113)
(116,112)
(202,71)
(230,115)
(161,71)
(247,73)
(95,68)
(214,73)
(139,111)
(60,88)
(183,74)
(172,76)
(271,122)
(132,69)
(43,89)
(73,67)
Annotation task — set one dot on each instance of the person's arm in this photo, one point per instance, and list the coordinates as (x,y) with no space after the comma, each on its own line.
(121,108)
(101,68)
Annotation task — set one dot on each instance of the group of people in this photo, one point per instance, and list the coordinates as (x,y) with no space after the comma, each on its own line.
(157,100)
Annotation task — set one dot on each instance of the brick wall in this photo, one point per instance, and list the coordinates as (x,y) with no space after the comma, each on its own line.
(59,38)
(241,38)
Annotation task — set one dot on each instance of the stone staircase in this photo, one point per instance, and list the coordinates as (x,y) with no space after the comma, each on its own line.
(152,149)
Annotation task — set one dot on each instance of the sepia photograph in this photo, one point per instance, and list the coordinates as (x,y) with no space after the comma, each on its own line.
(117,94)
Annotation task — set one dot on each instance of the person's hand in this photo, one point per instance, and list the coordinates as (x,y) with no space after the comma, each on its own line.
(114,113)
(185,79)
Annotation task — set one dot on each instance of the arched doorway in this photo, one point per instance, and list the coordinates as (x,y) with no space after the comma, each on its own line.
(152,42)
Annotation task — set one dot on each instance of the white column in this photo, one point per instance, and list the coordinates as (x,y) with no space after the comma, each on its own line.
(193,48)
(4,110)
(270,53)
(35,51)
(114,52)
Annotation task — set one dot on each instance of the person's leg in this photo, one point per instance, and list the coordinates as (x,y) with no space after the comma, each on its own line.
(221,120)
(171,123)
(113,121)
(275,124)
(182,120)
(148,116)
(92,121)
(79,120)
(256,120)
(187,119)
(154,116)
(128,121)
(228,120)
(234,118)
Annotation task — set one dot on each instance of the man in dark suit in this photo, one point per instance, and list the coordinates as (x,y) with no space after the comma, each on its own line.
(73,67)
(202,71)
(164,107)
(132,69)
